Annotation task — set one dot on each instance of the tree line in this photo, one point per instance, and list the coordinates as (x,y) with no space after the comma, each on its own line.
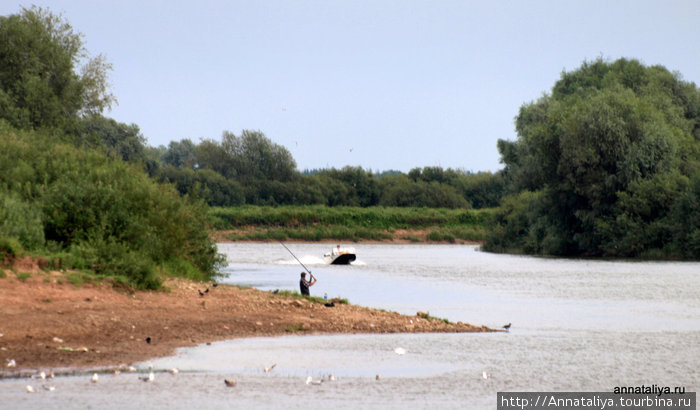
(251,169)
(606,164)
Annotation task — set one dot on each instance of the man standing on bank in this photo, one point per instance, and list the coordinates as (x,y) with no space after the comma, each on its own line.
(304,284)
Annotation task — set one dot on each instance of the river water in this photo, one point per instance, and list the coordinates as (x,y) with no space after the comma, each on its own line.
(577,325)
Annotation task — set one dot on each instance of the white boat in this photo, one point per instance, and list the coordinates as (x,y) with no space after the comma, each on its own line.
(340,255)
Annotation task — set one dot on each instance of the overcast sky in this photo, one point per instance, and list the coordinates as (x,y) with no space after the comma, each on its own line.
(373,83)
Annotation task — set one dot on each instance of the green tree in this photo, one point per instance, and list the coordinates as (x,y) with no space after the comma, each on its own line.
(39,86)
(253,156)
(125,141)
(181,154)
(609,151)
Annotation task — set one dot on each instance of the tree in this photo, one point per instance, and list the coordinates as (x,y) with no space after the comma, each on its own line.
(126,141)
(181,154)
(255,157)
(608,152)
(39,86)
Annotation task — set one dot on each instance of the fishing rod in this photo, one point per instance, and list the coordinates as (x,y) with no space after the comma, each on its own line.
(285,247)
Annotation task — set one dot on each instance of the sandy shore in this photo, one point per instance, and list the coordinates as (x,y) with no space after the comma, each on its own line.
(48,324)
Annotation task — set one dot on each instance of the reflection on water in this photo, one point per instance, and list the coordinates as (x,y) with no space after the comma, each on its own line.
(578,325)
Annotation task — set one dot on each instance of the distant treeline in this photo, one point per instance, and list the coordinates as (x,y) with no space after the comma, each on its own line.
(251,169)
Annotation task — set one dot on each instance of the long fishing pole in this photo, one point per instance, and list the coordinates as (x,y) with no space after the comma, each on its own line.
(285,247)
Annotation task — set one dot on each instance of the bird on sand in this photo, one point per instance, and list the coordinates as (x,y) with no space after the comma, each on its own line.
(485,375)
(30,389)
(200,292)
(507,327)
(230,383)
(269,369)
(377,377)
(174,371)
(48,388)
(148,378)
(11,363)
(95,378)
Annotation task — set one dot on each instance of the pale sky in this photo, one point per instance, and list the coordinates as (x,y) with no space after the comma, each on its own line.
(373,83)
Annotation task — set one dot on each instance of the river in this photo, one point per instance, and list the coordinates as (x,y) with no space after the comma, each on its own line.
(577,325)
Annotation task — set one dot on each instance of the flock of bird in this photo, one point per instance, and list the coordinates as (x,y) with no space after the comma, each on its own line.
(227,382)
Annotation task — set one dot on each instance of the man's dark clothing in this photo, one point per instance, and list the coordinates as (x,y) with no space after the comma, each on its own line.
(304,286)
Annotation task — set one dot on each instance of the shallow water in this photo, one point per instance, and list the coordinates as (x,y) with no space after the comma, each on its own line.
(578,325)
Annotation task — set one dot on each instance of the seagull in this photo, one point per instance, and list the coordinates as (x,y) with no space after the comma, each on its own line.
(174,371)
(309,380)
(95,378)
(117,371)
(148,378)
(230,383)
(400,350)
(331,378)
(377,377)
(30,389)
(269,369)
(48,388)
(485,375)
(507,327)
(42,376)
(11,363)
(131,369)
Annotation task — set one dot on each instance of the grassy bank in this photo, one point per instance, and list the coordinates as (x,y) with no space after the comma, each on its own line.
(317,223)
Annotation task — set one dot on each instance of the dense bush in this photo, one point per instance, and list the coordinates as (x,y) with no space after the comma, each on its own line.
(106,214)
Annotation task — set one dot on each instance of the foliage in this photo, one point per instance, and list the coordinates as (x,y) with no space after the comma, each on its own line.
(39,87)
(608,156)
(104,214)
(124,141)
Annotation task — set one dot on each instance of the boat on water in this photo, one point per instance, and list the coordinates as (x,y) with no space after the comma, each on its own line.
(340,255)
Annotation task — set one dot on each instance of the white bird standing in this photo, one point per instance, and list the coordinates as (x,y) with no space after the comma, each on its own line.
(174,371)
(30,389)
(485,375)
(95,378)
(148,378)
(400,350)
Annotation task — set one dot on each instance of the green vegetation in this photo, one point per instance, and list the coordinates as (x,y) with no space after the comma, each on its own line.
(294,328)
(429,318)
(312,299)
(349,223)
(608,165)
(66,192)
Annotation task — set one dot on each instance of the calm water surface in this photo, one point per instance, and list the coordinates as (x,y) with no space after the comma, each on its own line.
(578,325)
